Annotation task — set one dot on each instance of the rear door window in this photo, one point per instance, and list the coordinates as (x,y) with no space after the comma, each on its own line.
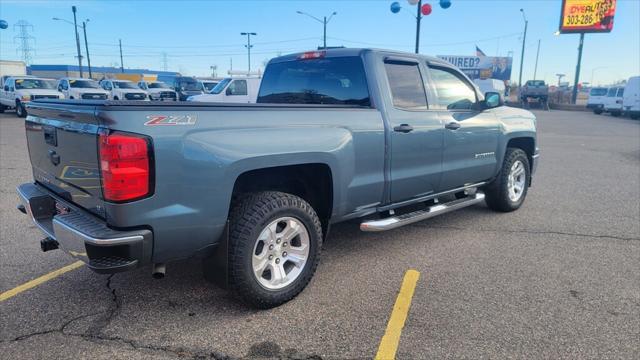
(407,87)
(334,80)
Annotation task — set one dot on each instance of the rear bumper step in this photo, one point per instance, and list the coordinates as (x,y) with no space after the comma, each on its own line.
(413,217)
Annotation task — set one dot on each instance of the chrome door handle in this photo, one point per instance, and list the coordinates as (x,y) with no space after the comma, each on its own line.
(403,128)
(454,125)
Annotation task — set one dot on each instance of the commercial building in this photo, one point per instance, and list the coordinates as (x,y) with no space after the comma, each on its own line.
(99,72)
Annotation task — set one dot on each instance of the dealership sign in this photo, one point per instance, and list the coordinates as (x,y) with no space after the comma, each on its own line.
(587,16)
(482,67)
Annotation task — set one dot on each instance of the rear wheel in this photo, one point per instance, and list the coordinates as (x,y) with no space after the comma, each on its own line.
(20,110)
(115,98)
(274,247)
(597,111)
(508,191)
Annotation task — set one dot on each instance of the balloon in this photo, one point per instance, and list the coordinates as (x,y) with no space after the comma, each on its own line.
(426,9)
(445,4)
(3,24)
(395,7)
(413,2)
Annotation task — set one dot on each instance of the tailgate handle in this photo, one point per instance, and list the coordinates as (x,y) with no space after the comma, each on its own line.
(50,135)
(54,157)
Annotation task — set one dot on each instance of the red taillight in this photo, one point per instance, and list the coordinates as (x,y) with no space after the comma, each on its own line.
(124,166)
(312,55)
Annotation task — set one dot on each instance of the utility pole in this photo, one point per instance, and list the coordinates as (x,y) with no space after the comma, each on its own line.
(213,70)
(418,19)
(574,94)
(535,69)
(25,40)
(165,62)
(249,46)
(324,21)
(560,76)
(75,28)
(524,40)
(86,46)
(121,60)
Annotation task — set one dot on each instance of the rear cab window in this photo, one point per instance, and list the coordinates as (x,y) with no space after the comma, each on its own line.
(406,85)
(331,80)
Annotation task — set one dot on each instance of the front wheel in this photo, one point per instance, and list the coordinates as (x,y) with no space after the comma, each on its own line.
(508,191)
(274,247)
(20,110)
(597,111)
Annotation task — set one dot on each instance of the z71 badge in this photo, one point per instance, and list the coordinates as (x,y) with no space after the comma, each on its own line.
(161,120)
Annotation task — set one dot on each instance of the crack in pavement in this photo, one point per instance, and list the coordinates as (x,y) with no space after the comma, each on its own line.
(96,333)
(526,231)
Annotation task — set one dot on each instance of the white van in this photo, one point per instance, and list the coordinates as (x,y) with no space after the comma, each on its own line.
(613,102)
(631,97)
(597,97)
(493,85)
(232,90)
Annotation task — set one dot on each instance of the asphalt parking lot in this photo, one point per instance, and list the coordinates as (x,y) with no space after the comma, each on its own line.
(558,278)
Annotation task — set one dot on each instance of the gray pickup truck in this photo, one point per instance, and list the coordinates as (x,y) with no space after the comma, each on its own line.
(385,137)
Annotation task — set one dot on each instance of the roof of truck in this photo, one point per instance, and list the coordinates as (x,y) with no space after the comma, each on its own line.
(342,52)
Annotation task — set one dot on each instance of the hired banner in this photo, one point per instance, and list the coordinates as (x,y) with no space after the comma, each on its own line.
(482,67)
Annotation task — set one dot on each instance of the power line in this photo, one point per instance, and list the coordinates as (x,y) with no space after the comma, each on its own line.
(25,41)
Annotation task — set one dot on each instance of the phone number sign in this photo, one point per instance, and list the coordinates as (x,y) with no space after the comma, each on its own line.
(587,16)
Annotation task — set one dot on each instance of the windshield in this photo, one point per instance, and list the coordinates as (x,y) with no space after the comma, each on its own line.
(535,83)
(337,81)
(612,92)
(35,84)
(620,92)
(209,85)
(158,85)
(124,85)
(598,92)
(89,84)
(189,85)
(220,86)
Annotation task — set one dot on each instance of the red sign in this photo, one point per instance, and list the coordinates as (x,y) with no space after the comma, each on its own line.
(587,16)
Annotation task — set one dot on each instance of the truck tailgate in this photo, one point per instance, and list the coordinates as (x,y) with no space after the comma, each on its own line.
(63,149)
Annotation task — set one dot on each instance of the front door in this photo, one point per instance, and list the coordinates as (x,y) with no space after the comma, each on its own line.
(416,133)
(470,134)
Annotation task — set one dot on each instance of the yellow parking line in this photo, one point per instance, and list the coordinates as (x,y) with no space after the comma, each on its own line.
(42,279)
(391,339)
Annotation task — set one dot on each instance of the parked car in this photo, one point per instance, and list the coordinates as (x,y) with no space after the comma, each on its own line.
(534,90)
(387,137)
(208,84)
(17,91)
(123,90)
(597,97)
(631,97)
(79,88)
(157,90)
(613,101)
(232,90)
(187,86)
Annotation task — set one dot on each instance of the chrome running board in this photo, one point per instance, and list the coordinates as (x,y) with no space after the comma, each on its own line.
(413,217)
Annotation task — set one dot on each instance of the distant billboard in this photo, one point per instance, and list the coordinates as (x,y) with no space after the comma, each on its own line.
(482,67)
(587,16)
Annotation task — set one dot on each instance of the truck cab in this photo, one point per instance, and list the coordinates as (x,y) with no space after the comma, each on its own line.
(123,90)
(186,86)
(82,89)
(232,90)
(20,90)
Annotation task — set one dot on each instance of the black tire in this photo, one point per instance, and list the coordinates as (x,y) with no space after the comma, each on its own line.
(497,193)
(2,108)
(20,110)
(597,111)
(115,98)
(250,215)
(615,113)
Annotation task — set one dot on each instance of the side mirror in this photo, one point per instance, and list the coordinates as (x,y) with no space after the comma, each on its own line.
(492,100)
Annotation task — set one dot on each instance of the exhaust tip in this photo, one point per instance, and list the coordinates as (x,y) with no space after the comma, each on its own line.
(158,271)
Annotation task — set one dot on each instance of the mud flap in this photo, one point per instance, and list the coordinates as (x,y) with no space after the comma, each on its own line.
(216,266)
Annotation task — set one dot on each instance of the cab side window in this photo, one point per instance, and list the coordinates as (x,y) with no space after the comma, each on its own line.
(452,91)
(407,87)
(237,87)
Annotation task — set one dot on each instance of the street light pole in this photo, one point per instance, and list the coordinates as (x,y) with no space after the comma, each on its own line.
(574,93)
(324,21)
(524,39)
(418,19)
(249,46)
(75,28)
(86,46)
(535,69)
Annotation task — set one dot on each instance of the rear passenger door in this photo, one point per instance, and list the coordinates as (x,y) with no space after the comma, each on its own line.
(470,133)
(416,132)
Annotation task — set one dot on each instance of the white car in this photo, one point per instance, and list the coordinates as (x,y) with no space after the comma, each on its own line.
(491,85)
(597,97)
(19,90)
(82,89)
(613,102)
(158,90)
(232,90)
(631,97)
(123,90)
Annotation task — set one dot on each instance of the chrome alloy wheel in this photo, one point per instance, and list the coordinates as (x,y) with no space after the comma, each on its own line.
(517,181)
(280,253)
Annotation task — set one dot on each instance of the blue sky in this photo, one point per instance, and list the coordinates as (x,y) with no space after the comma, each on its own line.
(198,34)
